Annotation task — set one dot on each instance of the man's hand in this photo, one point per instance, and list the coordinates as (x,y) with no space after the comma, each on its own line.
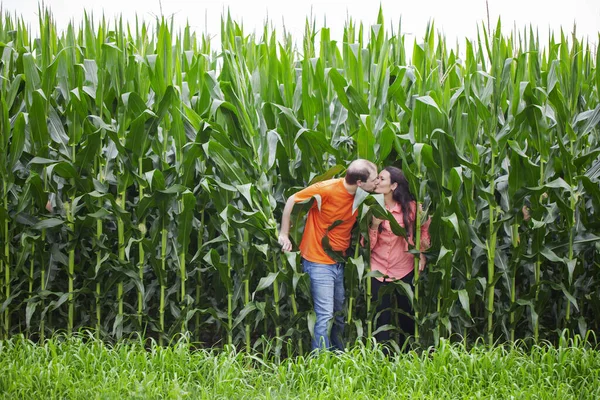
(284,241)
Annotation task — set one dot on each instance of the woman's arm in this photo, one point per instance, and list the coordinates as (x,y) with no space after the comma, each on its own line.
(425,241)
(425,237)
(374,230)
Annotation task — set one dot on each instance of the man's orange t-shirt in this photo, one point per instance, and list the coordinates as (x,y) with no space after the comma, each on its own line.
(336,204)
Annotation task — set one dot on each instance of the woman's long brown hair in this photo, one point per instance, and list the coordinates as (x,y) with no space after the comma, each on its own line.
(403,196)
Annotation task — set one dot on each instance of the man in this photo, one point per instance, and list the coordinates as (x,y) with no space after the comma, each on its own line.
(334,199)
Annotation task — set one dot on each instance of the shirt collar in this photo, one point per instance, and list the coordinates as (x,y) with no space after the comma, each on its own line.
(396,208)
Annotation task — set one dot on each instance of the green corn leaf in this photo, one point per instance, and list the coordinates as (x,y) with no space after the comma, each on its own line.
(17,143)
(188,202)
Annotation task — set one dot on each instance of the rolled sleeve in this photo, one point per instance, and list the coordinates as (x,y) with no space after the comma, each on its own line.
(373,235)
(425,237)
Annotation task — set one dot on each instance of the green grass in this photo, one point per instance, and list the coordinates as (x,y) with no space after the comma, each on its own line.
(79,367)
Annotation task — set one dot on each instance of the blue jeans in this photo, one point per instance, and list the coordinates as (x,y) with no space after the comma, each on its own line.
(327,290)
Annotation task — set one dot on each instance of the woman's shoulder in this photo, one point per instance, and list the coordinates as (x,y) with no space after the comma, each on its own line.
(412,206)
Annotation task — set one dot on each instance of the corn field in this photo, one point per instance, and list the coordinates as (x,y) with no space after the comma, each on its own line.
(144,172)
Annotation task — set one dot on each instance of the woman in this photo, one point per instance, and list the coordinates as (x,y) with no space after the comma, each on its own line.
(389,253)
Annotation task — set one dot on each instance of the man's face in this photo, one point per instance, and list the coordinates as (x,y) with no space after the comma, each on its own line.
(371,183)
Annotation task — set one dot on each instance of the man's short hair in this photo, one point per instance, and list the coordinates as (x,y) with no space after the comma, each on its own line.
(359,170)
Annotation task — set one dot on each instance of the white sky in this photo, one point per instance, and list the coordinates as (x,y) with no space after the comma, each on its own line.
(457,19)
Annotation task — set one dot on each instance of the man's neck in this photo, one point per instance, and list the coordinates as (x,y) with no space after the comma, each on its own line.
(350,188)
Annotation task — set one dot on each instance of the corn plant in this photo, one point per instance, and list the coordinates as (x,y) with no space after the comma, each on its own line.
(144,170)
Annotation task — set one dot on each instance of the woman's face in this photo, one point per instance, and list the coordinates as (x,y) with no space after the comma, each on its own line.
(385,186)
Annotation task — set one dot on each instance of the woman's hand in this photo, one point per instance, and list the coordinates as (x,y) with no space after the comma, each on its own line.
(526,213)
(422,262)
(375,222)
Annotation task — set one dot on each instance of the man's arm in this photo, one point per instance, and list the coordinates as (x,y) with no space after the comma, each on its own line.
(284,240)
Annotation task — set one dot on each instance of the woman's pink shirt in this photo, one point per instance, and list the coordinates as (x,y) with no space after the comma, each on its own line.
(389,253)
